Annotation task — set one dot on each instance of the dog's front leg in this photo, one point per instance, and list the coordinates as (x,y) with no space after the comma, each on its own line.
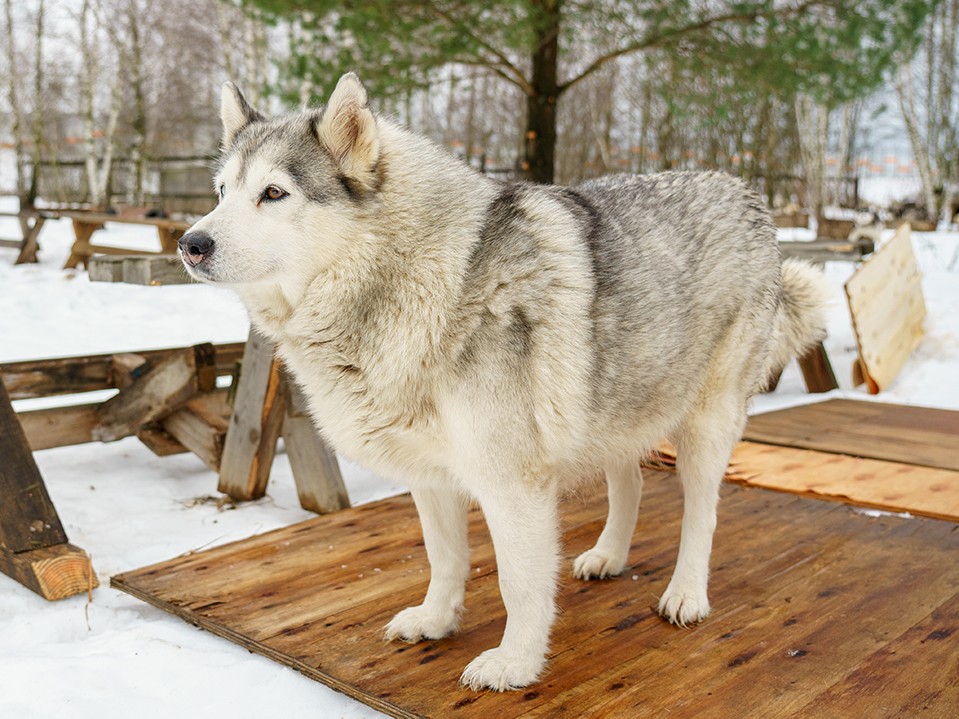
(523,524)
(443,516)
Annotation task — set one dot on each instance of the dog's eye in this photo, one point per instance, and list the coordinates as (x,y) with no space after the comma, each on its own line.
(273,193)
(222,191)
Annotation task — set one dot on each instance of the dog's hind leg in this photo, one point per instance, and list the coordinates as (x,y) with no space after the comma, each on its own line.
(703,447)
(443,516)
(522,519)
(624,482)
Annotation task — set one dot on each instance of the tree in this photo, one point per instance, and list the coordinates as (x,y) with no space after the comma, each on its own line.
(931,112)
(823,47)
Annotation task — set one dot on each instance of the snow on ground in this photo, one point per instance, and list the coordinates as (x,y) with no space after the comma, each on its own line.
(128,508)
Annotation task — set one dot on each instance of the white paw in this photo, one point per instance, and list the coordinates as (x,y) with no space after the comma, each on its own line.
(684,605)
(501,671)
(598,564)
(416,623)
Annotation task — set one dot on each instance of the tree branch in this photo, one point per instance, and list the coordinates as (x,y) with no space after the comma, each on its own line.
(646,43)
(503,66)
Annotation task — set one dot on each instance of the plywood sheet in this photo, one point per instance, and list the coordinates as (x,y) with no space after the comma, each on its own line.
(890,486)
(805,594)
(897,433)
(887,309)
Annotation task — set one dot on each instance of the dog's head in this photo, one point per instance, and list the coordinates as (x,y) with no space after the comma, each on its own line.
(287,189)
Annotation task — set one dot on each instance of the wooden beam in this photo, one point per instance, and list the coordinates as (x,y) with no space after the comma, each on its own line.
(33,544)
(169,384)
(152,270)
(59,426)
(817,370)
(201,426)
(74,375)
(28,519)
(316,472)
(54,572)
(258,412)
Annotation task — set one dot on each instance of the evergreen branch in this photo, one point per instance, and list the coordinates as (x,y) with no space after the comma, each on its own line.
(671,34)
(511,73)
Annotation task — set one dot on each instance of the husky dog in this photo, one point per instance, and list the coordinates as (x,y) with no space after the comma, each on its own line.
(497,342)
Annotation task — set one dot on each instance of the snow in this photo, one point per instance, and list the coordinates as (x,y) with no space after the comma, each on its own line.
(128,508)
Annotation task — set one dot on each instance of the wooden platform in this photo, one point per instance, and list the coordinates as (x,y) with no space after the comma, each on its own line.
(895,433)
(818,612)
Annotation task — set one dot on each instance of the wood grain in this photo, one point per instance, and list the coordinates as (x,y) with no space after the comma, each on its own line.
(887,308)
(890,486)
(255,426)
(74,375)
(896,433)
(28,519)
(805,595)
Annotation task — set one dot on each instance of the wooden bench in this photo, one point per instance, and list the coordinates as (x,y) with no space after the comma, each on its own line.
(85,223)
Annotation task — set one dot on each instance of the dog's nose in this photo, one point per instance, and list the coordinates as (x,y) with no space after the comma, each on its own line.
(195,246)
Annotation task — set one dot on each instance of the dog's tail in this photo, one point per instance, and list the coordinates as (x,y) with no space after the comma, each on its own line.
(801,318)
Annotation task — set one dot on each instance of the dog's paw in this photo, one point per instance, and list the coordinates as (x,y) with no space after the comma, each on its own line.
(418,623)
(597,564)
(683,605)
(501,671)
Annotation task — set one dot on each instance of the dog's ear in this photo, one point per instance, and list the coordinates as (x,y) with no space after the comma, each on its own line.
(348,130)
(235,113)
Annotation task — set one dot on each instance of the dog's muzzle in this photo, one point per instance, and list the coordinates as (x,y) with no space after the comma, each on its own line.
(195,247)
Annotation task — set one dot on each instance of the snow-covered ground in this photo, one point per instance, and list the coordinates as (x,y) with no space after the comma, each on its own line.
(127,508)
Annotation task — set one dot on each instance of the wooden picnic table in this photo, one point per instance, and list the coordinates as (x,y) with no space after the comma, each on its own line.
(267,406)
(85,223)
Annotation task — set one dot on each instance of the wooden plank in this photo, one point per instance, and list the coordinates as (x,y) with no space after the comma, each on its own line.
(826,250)
(927,677)
(74,375)
(159,441)
(316,472)
(201,426)
(54,572)
(315,596)
(887,309)
(896,433)
(167,385)
(105,269)
(152,270)
(59,426)
(872,483)
(258,412)
(28,519)
(88,217)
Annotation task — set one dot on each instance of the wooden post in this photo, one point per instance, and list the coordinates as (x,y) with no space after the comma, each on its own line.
(28,250)
(33,544)
(255,426)
(817,370)
(81,250)
(316,472)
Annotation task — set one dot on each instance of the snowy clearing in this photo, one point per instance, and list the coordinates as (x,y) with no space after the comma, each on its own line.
(128,508)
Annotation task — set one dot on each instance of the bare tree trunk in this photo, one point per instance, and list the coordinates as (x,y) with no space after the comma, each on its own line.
(139,122)
(88,79)
(38,107)
(16,108)
(106,163)
(920,148)
(812,122)
(226,41)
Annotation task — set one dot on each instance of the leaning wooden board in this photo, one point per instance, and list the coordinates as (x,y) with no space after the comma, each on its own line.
(816,613)
(891,432)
